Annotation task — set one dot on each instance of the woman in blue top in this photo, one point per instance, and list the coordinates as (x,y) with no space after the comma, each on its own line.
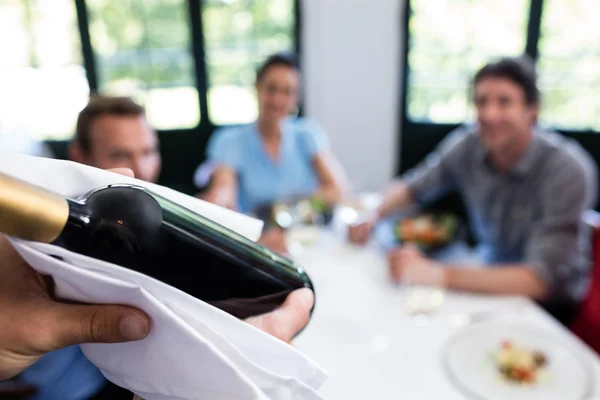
(278,156)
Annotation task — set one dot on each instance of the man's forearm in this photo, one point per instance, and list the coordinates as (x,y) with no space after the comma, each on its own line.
(517,279)
(397,197)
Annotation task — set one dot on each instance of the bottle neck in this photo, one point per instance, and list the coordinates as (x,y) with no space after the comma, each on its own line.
(29,212)
(79,216)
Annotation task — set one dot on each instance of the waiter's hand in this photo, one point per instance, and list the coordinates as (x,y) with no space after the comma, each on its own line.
(34,323)
(289,319)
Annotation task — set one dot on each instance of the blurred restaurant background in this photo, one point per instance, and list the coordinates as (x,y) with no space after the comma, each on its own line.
(386,79)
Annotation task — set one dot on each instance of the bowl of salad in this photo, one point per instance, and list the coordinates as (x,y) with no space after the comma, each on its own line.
(428,231)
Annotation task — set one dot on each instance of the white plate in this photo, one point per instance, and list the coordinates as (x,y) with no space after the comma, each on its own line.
(468,359)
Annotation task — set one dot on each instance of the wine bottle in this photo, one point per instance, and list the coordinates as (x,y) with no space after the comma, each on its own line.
(135,228)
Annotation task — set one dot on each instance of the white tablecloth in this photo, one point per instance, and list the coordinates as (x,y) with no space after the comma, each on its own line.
(361,333)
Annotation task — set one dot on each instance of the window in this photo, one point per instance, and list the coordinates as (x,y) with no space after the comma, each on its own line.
(569,64)
(42,80)
(176,57)
(142,50)
(239,35)
(449,41)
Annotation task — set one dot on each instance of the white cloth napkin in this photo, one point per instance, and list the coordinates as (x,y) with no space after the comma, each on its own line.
(194,350)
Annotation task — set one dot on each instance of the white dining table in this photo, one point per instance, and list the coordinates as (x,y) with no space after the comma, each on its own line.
(373,349)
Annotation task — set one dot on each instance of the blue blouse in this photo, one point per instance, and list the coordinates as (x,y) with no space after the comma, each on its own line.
(260,178)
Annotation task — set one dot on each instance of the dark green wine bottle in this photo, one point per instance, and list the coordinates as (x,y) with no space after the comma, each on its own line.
(137,229)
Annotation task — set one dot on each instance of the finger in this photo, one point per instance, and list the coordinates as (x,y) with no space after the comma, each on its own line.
(363,232)
(358,235)
(352,232)
(407,247)
(410,248)
(300,299)
(294,313)
(285,322)
(402,254)
(358,229)
(394,254)
(364,229)
(123,171)
(396,272)
(76,324)
(396,265)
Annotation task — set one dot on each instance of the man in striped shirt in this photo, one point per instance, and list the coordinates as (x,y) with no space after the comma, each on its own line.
(525,190)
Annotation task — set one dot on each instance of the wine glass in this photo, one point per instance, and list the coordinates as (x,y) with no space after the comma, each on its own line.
(357,207)
(422,301)
(301,223)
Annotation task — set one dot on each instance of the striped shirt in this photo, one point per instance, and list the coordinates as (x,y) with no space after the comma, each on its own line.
(531,214)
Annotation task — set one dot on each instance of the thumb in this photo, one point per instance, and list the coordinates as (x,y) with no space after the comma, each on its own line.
(294,313)
(286,321)
(410,246)
(76,324)
(300,301)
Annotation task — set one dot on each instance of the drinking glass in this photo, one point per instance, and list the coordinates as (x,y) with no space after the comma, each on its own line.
(422,301)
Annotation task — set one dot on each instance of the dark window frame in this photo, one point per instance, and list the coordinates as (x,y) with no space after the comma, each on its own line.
(183,148)
(417,139)
(197,49)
